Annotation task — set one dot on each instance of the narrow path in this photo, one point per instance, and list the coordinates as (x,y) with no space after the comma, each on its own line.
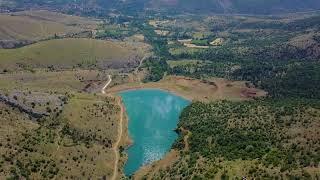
(140,64)
(116,145)
(185,139)
(58,143)
(136,71)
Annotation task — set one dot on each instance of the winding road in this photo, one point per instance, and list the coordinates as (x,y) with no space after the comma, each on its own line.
(106,85)
(116,145)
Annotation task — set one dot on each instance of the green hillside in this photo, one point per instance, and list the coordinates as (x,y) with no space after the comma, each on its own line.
(66,53)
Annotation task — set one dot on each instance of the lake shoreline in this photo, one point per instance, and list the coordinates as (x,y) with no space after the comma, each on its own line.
(126,141)
(138,126)
(195,89)
(157,88)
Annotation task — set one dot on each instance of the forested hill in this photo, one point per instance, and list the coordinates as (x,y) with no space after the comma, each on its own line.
(239,6)
(178,6)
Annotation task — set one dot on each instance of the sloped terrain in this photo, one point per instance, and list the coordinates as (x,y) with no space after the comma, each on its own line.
(18,29)
(73,140)
(68,53)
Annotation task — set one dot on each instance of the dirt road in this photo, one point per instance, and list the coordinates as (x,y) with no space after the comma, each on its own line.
(106,85)
(116,145)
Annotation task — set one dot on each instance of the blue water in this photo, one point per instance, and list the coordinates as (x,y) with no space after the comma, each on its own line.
(153,115)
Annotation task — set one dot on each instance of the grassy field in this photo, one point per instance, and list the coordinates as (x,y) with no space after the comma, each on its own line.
(46,81)
(37,25)
(69,53)
(173,63)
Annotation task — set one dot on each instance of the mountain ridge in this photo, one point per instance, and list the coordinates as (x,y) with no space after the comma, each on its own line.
(237,6)
(179,6)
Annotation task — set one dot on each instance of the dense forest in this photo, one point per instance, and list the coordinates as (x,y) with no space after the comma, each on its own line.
(265,139)
(157,67)
(297,80)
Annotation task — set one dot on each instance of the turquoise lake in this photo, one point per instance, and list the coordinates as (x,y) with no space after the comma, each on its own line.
(153,115)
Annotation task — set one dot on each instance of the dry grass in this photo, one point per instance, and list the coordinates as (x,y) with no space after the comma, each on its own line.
(46,81)
(70,20)
(158,23)
(73,158)
(305,41)
(75,144)
(194,89)
(152,169)
(236,168)
(190,45)
(36,25)
(217,42)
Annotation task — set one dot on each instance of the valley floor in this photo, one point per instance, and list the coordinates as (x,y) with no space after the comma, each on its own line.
(253,81)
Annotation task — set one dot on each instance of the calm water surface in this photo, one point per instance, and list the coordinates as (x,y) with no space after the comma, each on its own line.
(153,115)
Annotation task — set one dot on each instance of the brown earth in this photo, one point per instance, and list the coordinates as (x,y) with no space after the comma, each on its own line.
(194,89)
